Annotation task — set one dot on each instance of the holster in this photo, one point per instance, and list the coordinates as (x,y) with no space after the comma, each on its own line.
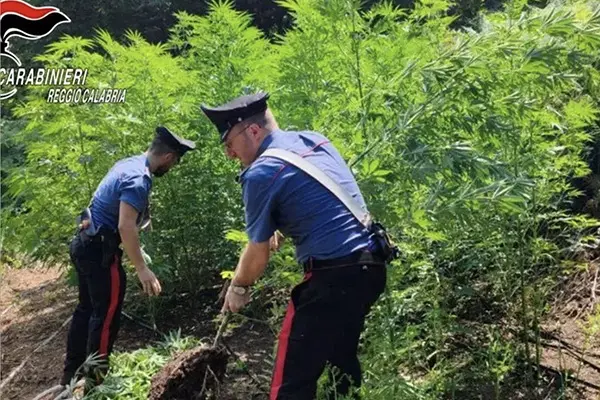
(389,250)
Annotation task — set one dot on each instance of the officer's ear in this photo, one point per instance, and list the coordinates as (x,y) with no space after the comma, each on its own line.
(254,130)
(172,158)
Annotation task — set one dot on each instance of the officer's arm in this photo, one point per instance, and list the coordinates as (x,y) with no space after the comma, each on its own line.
(259,199)
(129,234)
(252,264)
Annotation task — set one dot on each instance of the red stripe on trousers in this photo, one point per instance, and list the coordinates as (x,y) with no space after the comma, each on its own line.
(112,307)
(284,337)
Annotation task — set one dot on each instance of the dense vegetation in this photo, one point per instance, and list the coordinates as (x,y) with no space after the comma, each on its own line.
(465,144)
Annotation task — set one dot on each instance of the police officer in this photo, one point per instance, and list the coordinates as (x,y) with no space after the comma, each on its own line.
(344,271)
(118,207)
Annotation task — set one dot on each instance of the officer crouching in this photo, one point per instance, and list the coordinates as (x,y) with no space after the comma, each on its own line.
(119,208)
(344,261)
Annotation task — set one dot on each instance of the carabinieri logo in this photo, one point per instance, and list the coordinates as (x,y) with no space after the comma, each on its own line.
(20,19)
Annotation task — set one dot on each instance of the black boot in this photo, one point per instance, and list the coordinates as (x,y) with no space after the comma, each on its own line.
(67,377)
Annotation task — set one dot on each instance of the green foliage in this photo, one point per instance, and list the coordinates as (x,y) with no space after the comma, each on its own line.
(464,144)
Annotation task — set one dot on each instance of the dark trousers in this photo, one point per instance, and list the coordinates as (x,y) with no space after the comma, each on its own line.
(97,317)
(322,326)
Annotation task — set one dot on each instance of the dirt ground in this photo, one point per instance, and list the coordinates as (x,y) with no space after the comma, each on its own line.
(571,333)
(36,303)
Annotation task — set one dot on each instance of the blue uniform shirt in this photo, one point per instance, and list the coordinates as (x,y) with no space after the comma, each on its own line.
(129,180)
(280,196)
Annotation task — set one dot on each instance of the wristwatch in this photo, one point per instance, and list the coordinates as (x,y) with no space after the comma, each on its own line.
(241,290)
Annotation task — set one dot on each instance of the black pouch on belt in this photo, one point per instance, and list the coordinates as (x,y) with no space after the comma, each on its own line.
(388,249)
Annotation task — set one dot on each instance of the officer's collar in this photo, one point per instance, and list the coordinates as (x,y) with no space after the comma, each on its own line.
(147,166)
(261,149)
(265,143)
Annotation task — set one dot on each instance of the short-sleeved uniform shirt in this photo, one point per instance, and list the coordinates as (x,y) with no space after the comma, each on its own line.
(129,180)
(279,196)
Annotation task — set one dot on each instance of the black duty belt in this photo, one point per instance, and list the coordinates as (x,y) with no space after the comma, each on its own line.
(109,243)
(103,235)
(356,258)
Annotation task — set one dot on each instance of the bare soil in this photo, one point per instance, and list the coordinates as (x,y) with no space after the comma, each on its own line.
(570,345)
(34,303)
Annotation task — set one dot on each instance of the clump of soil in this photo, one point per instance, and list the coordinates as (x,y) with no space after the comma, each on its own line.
(192,375)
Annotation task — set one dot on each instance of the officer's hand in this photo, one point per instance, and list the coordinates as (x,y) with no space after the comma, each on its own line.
(150,284)
(276,241)
(234,302)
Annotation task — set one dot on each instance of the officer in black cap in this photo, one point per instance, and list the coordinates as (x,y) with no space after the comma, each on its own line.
(115,216)
(230,114)
(343,261)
